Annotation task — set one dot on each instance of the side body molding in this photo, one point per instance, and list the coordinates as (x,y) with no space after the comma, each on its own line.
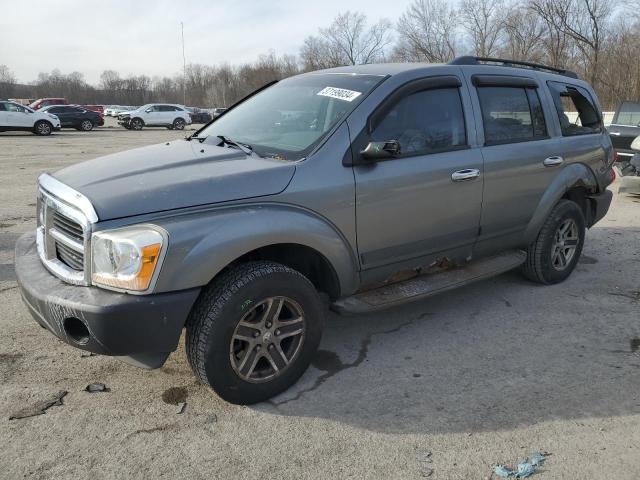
(203,243)
(573,175)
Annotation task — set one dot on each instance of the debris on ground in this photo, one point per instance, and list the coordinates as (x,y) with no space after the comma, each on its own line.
(87,354)
(524,469)
(97,387)
(181,407)
(424,463)
(39,408)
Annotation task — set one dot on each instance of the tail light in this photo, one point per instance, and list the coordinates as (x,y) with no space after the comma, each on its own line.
(613,175)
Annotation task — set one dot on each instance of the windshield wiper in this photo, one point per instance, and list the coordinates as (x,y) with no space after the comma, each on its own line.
(241,146)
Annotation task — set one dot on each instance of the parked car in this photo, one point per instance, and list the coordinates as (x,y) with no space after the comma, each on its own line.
(14,116)
(45,102)
(402,181)
(115,110)
(624,128)
(630,182)
(95,108)
(199,115)
(75,116)
(218,111)
(156,115)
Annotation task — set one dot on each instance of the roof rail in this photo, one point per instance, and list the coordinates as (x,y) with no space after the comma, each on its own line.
(469,60)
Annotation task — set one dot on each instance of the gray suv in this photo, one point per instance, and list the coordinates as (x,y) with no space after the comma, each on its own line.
(374,184)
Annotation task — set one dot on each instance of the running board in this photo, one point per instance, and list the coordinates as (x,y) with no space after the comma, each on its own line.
(427,285)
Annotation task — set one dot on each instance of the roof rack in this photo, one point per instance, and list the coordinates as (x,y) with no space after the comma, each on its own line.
(469,60)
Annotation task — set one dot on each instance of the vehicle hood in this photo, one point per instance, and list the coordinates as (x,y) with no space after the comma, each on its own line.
(174,175)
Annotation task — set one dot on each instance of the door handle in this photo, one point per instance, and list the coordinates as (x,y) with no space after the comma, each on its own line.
(466,174)
(616,134)
(553,161)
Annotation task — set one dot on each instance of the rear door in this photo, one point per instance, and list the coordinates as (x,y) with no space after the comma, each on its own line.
(64,114)
(3,116)
(517,146)
(417,208)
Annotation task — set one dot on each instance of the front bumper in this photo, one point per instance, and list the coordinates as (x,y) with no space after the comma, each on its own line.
(143,329)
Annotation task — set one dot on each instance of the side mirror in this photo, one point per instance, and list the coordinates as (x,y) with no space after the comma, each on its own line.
(148,110)
(381,150)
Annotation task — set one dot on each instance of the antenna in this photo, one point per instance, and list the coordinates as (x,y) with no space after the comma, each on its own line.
(184,69)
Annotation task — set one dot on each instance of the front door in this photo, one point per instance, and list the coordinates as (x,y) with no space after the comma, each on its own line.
(423,205)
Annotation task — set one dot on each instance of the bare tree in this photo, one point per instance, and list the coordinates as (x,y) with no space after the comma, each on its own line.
(7,82)
(427,32)
(347,41)
(483,21)
(524,32)
(584,21)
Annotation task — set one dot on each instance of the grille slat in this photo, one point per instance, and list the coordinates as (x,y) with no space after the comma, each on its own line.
(69,257)
(69,227)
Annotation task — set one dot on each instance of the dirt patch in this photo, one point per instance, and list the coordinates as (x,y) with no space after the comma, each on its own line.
(175,395)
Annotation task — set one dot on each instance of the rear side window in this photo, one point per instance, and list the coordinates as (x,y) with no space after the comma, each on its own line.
(577,112)
(511,114)
(2,106)
(427,121)
(628,114)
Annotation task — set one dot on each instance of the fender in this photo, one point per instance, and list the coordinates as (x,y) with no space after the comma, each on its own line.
(573,175)
(202,243)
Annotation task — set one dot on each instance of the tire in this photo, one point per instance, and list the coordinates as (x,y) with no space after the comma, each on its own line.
(42,128)
(179,123)
(555,252)
(86,125)
(136,124)
(217,343)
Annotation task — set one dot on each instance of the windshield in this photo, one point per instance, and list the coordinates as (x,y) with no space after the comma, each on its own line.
(290,118)
(628,114)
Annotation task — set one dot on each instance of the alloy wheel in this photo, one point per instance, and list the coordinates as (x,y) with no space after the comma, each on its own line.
(267,339)
(565,243)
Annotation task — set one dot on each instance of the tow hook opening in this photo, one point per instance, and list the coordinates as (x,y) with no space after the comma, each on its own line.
(76,330)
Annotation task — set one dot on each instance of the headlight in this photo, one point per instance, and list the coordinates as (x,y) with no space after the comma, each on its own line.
(127,258)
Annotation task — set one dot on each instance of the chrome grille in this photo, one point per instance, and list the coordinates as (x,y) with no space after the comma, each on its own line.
(65,220)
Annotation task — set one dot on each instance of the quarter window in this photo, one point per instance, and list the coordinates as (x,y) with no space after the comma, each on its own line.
(427,121)
(576,111)
(511,114)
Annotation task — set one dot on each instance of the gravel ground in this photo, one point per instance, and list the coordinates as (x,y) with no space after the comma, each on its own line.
(482,375)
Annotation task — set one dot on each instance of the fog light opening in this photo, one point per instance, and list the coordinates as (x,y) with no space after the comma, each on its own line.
(76,330)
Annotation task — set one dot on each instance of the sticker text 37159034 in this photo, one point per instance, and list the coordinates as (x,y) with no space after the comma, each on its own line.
(339,93)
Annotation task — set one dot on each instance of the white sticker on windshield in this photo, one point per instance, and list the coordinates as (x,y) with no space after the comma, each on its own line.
(339,93)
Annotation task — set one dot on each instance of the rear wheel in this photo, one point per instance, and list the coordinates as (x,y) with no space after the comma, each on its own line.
(554,254)
(254,331)
(43,128)
(179,124)
(86,125)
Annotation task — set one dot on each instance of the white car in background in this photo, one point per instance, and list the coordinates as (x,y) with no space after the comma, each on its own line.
(156,115)
(14,116)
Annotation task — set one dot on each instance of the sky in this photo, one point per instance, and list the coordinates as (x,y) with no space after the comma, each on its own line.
(143,36)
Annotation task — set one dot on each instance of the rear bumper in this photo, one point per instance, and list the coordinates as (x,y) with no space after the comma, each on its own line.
(599,206)
(142,328)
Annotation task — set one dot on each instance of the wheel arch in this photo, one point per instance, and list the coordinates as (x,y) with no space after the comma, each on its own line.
(575,182)
(204,245)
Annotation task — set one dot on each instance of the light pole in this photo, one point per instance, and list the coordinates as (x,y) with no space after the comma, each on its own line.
(184,69)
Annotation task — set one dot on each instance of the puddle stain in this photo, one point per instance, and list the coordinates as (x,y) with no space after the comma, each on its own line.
(584,259)
(331,364)
(175,395)
(634,344)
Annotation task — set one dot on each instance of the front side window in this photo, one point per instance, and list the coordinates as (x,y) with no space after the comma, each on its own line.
(289,119)
(511,114)
(424,122)
(576,111)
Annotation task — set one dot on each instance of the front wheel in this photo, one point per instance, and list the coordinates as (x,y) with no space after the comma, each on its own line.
(254,331)
(554,254)
(42,128)
(135,124)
